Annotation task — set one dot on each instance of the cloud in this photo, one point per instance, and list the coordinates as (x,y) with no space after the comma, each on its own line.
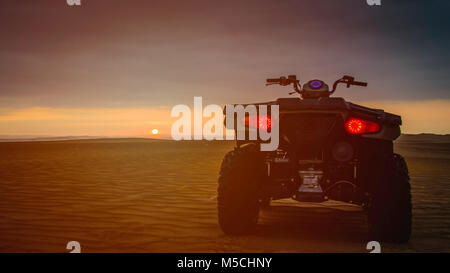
(117,54)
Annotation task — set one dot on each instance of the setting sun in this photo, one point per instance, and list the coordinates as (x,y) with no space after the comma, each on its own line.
(155,131)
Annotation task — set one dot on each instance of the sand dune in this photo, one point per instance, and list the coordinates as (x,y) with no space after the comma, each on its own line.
(159,196)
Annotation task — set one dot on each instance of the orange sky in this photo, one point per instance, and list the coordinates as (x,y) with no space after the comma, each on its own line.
(432,116)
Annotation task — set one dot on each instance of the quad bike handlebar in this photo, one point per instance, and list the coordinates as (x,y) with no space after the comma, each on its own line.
(315,84)
(360,83)
(275,80)
(348,80)
(291,79)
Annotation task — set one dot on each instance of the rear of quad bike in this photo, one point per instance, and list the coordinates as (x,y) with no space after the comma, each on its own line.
(241,194)
(329,149)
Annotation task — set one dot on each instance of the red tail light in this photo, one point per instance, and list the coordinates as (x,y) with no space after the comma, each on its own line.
(263,122)
(360,126)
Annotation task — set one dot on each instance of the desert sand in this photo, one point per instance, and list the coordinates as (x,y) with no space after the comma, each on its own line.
(139,195)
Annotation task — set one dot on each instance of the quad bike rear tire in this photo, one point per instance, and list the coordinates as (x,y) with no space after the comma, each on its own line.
(390,213)
(241,175)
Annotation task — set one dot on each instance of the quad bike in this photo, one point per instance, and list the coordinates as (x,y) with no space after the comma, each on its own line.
(329,149)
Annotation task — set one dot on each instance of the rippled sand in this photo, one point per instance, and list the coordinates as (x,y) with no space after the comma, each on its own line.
(159,196)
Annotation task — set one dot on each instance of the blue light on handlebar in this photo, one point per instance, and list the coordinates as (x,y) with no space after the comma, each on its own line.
(315,84)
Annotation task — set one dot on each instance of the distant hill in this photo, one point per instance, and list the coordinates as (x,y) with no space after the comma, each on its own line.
(428,138)
(44,138)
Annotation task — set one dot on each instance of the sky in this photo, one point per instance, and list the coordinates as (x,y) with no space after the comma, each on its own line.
(116,67)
